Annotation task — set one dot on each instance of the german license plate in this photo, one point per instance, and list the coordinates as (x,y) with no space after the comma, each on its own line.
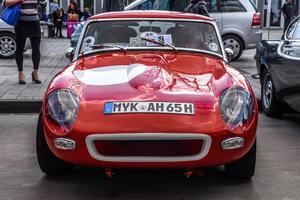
(149,107)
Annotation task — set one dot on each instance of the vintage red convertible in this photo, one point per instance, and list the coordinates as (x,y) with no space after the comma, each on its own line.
(148,89)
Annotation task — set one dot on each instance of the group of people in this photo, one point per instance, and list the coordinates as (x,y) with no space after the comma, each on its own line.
(74,14)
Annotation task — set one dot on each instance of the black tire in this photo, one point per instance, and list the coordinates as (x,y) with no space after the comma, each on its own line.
(243,168)
(233,42)
(48,162)
(271,106)
(8,45)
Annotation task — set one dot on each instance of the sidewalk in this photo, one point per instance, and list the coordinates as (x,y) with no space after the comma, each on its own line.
(28,98)
(21,96)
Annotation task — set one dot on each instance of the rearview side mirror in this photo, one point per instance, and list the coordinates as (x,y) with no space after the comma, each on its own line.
(70,53)
(229,54)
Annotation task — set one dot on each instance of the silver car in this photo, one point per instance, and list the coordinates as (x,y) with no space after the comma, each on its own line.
(8,44)
(238,20)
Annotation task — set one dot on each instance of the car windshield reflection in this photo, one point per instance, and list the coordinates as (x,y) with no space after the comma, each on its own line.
(130,33)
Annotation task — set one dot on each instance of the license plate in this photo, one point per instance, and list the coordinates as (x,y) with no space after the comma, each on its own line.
(149,107)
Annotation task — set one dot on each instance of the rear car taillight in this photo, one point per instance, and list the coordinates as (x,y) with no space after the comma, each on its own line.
(256,20)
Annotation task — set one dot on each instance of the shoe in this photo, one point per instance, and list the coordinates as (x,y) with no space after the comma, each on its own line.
(22,82)
(21,78)
(35,80)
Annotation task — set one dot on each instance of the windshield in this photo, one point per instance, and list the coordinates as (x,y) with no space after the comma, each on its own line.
(132,33)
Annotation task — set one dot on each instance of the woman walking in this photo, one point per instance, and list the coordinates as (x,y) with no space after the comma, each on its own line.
(28,27)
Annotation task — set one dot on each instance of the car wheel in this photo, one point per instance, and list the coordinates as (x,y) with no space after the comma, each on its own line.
(235,43)
(243,168)
(271,106)
(48,162)
(8,45)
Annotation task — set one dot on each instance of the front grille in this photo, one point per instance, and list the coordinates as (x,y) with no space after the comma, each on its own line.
(157,148)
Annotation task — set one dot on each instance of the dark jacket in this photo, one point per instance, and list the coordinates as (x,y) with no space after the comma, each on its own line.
(289,10)
(197,7)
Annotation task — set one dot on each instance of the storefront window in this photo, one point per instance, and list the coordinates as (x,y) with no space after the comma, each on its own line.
(275,17)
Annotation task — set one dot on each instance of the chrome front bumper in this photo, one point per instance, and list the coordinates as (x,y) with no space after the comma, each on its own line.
(148,136)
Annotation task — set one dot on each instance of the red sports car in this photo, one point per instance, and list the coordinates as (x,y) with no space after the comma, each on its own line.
(148,90)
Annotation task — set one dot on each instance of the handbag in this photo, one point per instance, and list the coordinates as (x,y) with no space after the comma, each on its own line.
(11,14)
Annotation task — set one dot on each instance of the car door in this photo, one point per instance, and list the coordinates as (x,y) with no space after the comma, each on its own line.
(286,68)
(235,17)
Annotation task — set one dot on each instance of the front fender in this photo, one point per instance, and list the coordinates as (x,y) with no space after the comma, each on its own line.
(265,51)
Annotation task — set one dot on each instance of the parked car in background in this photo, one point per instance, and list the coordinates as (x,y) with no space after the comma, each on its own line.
(278,63)
(8,41)
(238,20)
(148,90)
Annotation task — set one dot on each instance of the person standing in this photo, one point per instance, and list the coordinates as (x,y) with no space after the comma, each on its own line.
(86,13)
(53,6)
(289,13)
(58,16)
(74,14)
(28,27)
(197,7)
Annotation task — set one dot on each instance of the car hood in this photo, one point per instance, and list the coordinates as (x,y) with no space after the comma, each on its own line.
(149,77)
(151,73)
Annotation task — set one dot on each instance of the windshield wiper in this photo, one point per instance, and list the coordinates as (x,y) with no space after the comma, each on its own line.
(102,46)
(160,42)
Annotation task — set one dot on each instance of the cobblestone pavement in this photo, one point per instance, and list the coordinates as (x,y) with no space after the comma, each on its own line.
(53,60)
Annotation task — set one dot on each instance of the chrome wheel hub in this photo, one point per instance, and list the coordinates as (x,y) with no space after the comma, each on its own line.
(267,93)
(7,46)
(234,45)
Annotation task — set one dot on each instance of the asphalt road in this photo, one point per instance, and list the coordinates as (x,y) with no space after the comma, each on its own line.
(277,175)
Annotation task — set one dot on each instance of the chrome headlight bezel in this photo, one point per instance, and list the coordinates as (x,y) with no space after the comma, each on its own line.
(236,107)
(62,107)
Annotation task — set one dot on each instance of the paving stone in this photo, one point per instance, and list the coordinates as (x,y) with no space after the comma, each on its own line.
(9,97)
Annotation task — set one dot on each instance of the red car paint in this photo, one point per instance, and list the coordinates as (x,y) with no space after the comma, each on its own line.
(187,77)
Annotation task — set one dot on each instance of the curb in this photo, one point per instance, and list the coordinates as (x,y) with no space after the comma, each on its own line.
(23,106)
(30,106)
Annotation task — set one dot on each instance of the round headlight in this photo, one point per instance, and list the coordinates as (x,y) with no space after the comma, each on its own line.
(63,107)
(236,106)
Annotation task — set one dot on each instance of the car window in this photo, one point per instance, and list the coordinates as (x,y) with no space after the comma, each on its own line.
(293,30)
(173,5)
(254,6)
(154,5)
(181,34)
(232,6)
(212,6)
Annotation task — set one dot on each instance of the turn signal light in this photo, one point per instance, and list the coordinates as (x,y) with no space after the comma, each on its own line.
(233,143)
(64,144)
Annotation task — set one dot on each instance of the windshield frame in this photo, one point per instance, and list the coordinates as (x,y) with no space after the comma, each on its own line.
(212,23)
